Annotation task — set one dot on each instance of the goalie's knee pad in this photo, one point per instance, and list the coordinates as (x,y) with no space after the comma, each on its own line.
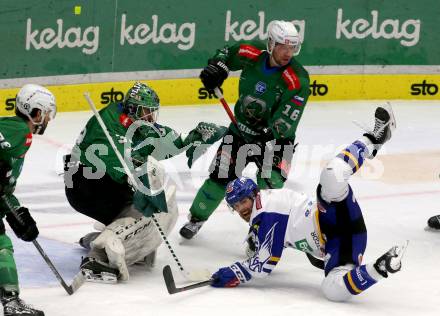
(123,241)
(334,181)
(333,286)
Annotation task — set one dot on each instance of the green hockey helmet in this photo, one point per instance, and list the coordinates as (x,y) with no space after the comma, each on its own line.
(141,103)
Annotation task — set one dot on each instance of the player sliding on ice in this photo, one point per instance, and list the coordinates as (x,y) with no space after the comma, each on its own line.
(97,185)
(35,107)
(331,228)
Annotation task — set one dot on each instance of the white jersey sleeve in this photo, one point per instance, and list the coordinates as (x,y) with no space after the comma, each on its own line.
(280,218)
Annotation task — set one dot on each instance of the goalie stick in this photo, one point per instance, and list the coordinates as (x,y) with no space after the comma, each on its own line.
(171,285)
(78,279)
(189,275)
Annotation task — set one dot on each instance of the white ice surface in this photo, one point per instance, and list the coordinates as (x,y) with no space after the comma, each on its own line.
(398,193)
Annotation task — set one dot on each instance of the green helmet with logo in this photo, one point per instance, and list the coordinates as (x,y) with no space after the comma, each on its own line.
(141,102)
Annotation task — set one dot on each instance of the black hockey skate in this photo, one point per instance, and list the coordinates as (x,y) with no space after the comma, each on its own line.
(190,229)
(97,271)
(391,261)
(14,306)
(87,239)
(384,125)
(434,223)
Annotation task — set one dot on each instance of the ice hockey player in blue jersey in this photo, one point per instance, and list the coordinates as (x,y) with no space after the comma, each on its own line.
(332,228)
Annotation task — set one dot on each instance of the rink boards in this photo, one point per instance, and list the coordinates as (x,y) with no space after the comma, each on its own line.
(324,87)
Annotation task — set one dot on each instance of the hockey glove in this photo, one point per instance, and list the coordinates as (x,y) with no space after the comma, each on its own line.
(214,74)
(149,204)
(24,226)
(200,138)
(230,276)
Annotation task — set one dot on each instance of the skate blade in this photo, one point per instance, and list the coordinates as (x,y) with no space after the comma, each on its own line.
(396,262)
(103,277)
(387,106)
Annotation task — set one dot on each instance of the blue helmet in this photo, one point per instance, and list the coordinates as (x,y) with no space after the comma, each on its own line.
(239,189)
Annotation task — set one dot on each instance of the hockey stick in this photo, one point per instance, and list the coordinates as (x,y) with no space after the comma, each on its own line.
(190,275)
(171,285)
(77,281)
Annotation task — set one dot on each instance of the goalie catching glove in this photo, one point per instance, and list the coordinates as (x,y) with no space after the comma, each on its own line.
(200,138)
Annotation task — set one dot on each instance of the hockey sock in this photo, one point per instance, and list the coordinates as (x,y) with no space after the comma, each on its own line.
(354,155)
(8,269)
(359,279)
(207,199)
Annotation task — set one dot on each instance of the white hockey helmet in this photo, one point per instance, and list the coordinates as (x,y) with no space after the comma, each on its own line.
(31,97)
(283,32)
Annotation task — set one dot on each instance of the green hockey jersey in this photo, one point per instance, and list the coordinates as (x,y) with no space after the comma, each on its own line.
(269,97)
(135,142)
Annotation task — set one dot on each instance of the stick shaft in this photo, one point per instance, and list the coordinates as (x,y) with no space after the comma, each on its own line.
(41,251)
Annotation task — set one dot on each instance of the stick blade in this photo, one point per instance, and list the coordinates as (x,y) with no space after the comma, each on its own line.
(77,282)
(169,279)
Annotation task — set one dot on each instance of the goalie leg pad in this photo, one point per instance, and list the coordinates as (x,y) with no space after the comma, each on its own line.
(119,240)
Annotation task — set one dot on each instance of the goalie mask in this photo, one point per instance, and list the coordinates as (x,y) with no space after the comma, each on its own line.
(32,99)
(141,103)
(282,32)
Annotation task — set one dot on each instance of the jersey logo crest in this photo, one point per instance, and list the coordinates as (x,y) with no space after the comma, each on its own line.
(28,140)
(260,87)
(291,79)
(264,252)
(249,51)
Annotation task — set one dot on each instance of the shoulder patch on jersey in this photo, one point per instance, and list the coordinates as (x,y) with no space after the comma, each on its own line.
(125,120)
(298,100)
(249,51)
(28,140)
(291,79)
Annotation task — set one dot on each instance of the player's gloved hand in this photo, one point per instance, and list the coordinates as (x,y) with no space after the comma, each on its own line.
(225,277)
(230,276)
(149,204)
(200,138)
(24,226)
(214,74)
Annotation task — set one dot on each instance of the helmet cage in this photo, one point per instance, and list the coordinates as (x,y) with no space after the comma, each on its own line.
(141,103)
